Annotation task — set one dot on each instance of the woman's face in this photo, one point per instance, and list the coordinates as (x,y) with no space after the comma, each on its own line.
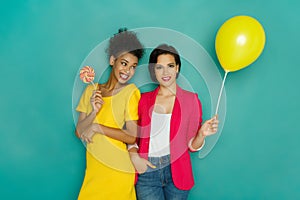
(124,67)
(166,70)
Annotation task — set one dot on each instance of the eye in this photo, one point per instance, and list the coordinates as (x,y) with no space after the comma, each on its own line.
(124,63)
(171,65)
(158,67)
(132,67)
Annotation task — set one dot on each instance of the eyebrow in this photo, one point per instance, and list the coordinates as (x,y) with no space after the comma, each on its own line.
(171,63)
(123,59)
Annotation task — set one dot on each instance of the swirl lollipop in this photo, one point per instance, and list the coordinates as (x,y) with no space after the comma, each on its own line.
(87,75)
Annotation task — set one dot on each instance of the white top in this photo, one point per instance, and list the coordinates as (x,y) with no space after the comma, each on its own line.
(160,135)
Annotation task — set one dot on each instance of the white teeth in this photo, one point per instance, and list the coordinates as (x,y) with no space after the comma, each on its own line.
(123,76)
(166,78)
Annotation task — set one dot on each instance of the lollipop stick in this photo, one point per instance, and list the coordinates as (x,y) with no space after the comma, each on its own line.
(221,90)
(94,85)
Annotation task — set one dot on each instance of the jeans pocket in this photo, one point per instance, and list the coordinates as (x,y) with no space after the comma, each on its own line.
(147,170)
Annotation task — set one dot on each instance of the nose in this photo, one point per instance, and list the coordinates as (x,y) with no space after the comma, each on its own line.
(165,70)
(126,68)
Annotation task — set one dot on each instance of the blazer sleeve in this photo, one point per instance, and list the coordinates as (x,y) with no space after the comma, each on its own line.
(196,118)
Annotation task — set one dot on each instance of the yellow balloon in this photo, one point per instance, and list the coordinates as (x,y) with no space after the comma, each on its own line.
(239,42)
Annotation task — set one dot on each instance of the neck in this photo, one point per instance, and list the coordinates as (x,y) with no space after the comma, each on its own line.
(167,91)
(112,83)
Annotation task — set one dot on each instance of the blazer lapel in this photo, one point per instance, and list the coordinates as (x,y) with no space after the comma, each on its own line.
(176,114)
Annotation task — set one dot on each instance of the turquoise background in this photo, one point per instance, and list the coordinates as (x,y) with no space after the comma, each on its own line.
(43,43)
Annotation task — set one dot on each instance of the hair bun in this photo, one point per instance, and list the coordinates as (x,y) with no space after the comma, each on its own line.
(122,29)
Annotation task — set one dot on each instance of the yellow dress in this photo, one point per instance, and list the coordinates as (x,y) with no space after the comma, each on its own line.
(109,172)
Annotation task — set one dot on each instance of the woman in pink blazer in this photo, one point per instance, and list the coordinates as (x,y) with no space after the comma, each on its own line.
(170,121)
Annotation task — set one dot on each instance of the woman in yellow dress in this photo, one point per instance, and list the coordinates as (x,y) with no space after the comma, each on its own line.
(107,122)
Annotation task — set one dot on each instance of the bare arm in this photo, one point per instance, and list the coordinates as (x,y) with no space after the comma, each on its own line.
(209,127)
(85,120)
(140,164)
(127,136)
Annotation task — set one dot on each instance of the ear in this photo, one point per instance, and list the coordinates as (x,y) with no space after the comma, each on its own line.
(112,60)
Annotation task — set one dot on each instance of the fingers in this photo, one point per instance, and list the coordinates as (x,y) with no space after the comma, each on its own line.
(100,101)
(214,129)
(143,167)
(83,138)
(96,99)
(86,138)
(214,120)
(89,140)
(214,124)
(150,164)
(96,94)
(215,116)
(211,126)
(141,170)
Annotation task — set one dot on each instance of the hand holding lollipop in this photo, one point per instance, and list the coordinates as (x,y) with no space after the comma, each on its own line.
(87,75)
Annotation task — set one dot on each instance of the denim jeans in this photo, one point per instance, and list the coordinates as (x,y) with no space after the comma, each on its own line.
(157,184)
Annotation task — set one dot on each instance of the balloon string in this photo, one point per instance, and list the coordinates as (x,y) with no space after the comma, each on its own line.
(220,94)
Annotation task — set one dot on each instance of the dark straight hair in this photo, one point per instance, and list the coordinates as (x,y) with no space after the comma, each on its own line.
(160,50)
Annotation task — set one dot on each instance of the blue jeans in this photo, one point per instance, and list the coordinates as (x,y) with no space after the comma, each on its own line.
(157,184)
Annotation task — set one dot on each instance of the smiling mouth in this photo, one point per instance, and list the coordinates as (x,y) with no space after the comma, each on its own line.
(167,78)
(124,77)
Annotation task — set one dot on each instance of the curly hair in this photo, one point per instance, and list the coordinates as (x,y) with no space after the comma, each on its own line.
(125,41)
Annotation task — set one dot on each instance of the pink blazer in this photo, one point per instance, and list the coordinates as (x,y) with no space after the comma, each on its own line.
(185,121)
